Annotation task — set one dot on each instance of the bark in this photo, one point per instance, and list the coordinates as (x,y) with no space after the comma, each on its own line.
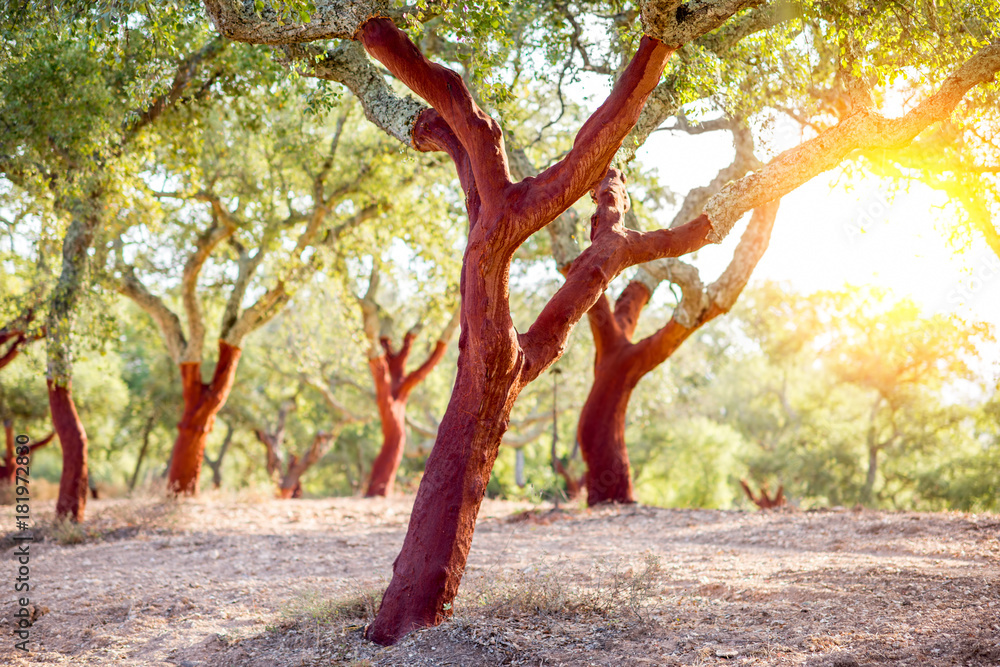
(601,430)
(216,464)
(73,483)
(495,362)
(392,413)
(146,431)
(764,500)
(63,302)
(676,23)
(202,402)
(393,386)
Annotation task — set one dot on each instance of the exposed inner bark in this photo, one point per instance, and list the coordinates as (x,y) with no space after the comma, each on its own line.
(764,501)
(73,483)
(392,391)
(202,402)
(495,362)
(601,430)
(619,363)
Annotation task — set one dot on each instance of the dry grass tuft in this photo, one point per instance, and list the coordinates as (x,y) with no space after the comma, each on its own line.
(619,591)
(310,607)
(117,521)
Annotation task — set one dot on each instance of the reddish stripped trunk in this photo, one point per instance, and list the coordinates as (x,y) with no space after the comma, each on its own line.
(601,433)
(291,484)
(427,573)
(392,391)
(202,403)
(495,362)
(393,415)
(73,484)
(618,367)
(764,500)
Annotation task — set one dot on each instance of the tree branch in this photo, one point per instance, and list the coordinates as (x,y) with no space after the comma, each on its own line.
(186,72)
(446,91)
(418,375)
(556,188)
(321,444)
(166,320)
(675,22)
(349,65)
(204,246)
(240,20)
(613,249)
(699,306)
(629,305)
(864,130)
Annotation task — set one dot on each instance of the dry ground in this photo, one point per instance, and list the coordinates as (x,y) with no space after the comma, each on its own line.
(251,581)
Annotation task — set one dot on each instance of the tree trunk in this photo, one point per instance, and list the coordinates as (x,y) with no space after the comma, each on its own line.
(617,369)
(291,483)
(601,433)
(868,491)
(59,368)
(496,362)
(290,486)
(619,363)
(427,572)
(73,483)
(393,415)
(392,390)
(216,465)
(202,403)
(146,431)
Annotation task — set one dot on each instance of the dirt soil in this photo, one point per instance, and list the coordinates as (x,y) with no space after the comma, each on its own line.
(260,582)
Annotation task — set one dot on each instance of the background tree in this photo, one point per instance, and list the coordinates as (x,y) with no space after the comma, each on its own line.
(71,112)
(278,192)
(283,465)
(393,384)
(853,406)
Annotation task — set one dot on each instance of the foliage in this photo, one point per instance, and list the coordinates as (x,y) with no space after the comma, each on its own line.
(783,393)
